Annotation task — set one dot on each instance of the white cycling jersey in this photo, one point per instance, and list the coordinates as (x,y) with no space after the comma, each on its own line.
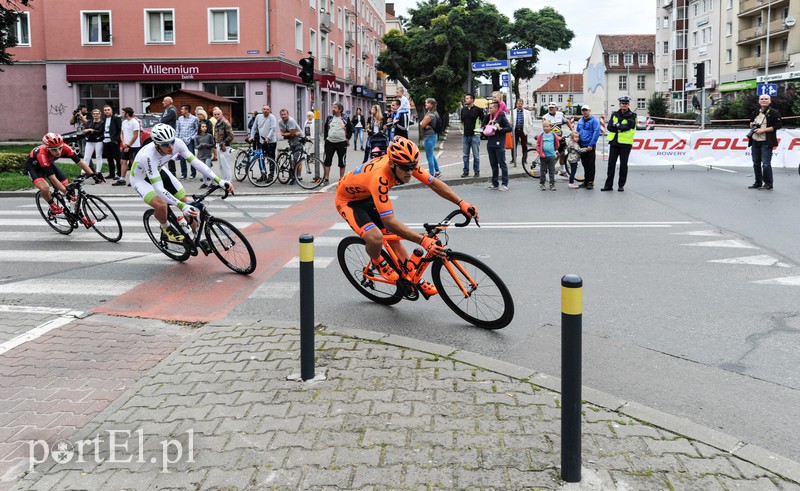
(558,120)
(147,166)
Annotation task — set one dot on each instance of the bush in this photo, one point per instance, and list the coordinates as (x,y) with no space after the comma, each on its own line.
(11,162)
(691,116)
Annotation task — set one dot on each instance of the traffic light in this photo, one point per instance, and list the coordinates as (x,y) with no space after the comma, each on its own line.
(307,70)
(495,81)
(700,75)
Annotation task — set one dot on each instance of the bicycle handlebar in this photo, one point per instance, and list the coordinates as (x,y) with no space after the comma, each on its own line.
(431,229)
(211,189)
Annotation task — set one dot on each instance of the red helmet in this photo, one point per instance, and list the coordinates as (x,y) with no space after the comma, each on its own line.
(403,151)
(52,140)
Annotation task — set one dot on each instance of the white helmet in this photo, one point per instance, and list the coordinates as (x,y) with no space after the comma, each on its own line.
(162,134)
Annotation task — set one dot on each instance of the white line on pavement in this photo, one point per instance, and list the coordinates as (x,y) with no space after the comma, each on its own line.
(98,257)
(125,223)
(736,244)
(35,333)
(786,281)
(757,260)
(101,288)
(320,262)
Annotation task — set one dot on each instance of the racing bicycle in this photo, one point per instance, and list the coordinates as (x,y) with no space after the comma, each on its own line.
(80,208)
(211,234)
(468,286)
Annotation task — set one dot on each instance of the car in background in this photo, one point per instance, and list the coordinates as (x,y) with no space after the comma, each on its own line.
(641,123)
(73,138)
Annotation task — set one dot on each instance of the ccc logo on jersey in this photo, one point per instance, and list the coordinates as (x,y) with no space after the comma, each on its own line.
(383,189)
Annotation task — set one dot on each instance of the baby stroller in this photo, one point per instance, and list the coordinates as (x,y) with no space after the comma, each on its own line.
(377,144)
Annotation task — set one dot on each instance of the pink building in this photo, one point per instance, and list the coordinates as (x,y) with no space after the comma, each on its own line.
(97,52)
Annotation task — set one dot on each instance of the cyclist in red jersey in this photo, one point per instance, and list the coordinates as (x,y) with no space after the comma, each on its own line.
(362,199)
(41,167)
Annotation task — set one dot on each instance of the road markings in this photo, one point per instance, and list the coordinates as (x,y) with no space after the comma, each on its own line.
(703,233)
(319,262)
(126,224)
(276,290)
(785,281)
(737,244)
(512,225)
(758,260)
(38,331)
(57,238)
(61,256)
(49,286)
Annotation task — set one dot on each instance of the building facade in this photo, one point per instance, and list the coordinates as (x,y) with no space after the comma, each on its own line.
(564,89)
(120,53)
(620,65)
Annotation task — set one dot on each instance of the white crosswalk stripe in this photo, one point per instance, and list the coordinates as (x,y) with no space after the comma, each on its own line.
(95,287)
(275,290)
(785,281)
(758,260)
(80,256)
(320,262)
(732,243)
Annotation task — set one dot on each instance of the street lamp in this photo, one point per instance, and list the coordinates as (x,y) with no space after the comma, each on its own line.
(769,15)
(568,64)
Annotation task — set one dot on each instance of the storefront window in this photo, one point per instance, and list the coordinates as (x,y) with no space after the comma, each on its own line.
(155,90)
(236,93)
(95,96)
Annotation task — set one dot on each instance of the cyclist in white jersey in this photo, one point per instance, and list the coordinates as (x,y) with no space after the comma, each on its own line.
(157,185)
(558,120)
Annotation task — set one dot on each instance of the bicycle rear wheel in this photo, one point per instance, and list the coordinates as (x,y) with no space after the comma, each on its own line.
(307,177)
(261,173)
(230,246)
(176,250)
(488,302)
(240,165)
(106,222)
(284,164)
(60,223)
(530,167)
(353,259)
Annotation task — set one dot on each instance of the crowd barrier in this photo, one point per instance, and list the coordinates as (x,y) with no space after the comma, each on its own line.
(723,147)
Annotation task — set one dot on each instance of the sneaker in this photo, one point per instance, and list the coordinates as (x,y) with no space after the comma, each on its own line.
(192,178)
(477,174)
(590,186)
(171,234)
(119,182)
(552,186)
(503,187)
(767,187)
(606,188)
(572,185)
(493,187)
(621,189)
(755,185)
(87,223)
(466,174)
(437,174)
(129,184)
(56,209)
(183,176)
(427,288)
(386,271)
(562,173)
(325,182)
(109,177)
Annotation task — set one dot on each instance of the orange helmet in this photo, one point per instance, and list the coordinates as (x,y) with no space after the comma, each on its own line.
(52,140)
(403,151)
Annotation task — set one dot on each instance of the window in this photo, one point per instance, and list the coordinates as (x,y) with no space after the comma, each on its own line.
(728,55)
(298,35)
(642,59)
(628,59)
(560,97)
(680,40)
(694,39)
(730,4)
(666,75)
(729,29)
(696,9)
(96,27)
(550,98)
(666,21)
(312,41)
(707,35)
(95,96)
(613,59)
(341,17)
(223,25)
(641,103)
(640,82)
(159,26)
(23,30)
(757,51)
(666,48)
(156,90)
(341,58)
(623,82)
(312,4)
(236,92)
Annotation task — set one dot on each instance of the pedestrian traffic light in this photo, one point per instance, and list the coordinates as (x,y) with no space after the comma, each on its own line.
(495,81)
(700,74)
(307,70)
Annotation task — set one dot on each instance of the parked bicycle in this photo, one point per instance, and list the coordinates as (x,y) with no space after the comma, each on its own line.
(296,164)
(468,286)
(210,234)
(80,208)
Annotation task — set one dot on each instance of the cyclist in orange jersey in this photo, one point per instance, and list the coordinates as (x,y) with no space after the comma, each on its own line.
(362,199)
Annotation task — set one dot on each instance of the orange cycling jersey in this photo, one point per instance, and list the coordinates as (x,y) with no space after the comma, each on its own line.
(374,179)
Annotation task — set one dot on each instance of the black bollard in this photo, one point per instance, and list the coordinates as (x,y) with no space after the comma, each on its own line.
(307,307)
(571,347)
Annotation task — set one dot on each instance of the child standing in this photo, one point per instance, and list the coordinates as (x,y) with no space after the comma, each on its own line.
(203,144)
(547,145)
(574,152)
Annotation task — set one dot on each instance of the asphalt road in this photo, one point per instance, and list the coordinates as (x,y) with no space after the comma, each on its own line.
(689,298)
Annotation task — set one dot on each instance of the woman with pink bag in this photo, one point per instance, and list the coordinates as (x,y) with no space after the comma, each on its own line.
(494,128)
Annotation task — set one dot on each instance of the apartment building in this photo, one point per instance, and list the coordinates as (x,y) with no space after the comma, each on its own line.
(564,89)
(620,65)
(122,53)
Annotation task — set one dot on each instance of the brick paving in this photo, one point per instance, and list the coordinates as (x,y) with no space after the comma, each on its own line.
(391,413)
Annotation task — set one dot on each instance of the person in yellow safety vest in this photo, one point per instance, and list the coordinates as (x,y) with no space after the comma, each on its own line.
(621,128)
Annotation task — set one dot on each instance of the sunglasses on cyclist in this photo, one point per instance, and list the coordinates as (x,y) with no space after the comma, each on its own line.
(166,145)
(54,149)
(407,168)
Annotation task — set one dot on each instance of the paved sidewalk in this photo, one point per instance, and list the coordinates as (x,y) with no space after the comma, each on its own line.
(391,413)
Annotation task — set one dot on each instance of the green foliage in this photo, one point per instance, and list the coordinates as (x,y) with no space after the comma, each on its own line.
(691,116)
(731,107)
(657,106)
(8,22)
(11,162)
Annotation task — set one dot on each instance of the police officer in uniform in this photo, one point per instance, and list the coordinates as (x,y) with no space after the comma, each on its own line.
(621,128)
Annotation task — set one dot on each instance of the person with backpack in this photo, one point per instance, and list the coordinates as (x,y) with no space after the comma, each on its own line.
(431,127)
(337,132)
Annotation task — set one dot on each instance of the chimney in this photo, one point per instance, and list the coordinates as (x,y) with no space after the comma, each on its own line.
(390,9)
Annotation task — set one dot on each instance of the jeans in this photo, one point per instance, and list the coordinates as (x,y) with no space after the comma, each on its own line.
(588,161)
(190,145)
(430,153)
(522,139)
(762,162)
(472,143)
(497,159)
(358,138)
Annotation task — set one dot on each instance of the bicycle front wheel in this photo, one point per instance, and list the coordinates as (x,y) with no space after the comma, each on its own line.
(240,165)
(353,259)
(261,173)
(284,168)
(176,250)
(473,291)
(106,223)
(530,167)
(230,246)
(306,171)
(60,223)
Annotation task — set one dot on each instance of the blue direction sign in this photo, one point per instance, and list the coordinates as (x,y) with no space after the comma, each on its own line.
(504,79)
(520,53)
(767,89)
(489,65)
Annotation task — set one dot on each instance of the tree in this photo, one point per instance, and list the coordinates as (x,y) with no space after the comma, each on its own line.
(546,29)
(8,21)
(657,106)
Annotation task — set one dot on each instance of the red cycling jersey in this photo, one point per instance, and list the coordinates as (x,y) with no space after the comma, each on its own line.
(46,159)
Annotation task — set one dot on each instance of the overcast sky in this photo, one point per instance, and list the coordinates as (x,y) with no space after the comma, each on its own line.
(586,18)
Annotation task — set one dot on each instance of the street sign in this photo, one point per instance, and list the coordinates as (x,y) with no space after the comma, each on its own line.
(767,89)
(520,53)
(489,65)
(504,79)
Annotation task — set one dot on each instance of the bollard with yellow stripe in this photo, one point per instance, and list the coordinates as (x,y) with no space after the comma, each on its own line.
(307,371)
(571,353)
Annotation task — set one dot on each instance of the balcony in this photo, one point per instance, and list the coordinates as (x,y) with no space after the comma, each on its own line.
(326,63)
(325,22)
(364,55)
(751,7)
(776,27)
(350,74)
(777,57)
(349,40)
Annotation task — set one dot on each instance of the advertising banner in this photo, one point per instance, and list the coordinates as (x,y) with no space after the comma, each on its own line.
(661,147)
